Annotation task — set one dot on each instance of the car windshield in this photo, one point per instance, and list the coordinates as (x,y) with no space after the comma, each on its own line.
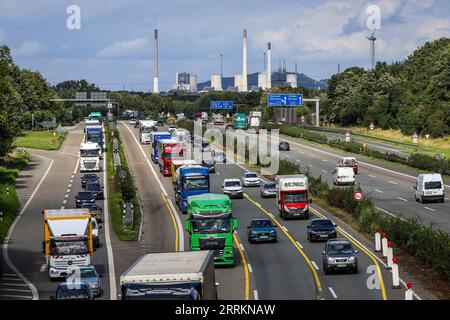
(295,197)
(339,248)
(270,186)
(84,195)
(261,224)
(433,185)
(92,186)
(211,225)
(321,224)
(88,153)
(65,247)
(251,175)
(195,183)
(232,183)
(74,292)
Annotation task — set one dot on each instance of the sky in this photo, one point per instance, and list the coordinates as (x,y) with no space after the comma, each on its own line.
(114,46)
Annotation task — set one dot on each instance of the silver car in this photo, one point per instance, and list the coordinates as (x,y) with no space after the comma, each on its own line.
(87,275)
(268,190)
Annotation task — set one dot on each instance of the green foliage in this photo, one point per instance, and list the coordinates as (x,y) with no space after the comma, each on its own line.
(299,133)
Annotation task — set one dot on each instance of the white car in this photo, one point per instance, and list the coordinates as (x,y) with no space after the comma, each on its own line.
(233,188)
(251,179)
(429,187)
(343,175)
(133,121)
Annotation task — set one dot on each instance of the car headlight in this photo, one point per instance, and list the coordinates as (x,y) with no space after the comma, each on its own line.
(286,209)
(93,285)
(272,231)
(329,259)
(254,233)
(351,259)
(305,208)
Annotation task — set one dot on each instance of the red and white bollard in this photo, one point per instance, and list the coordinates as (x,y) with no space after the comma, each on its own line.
(408,292)
(390,255)
(384,242)
(395,275)
(377,240)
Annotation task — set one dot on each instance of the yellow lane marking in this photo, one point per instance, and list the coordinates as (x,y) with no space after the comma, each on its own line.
(383,288)
(173,221)
(244,262)
(308,261)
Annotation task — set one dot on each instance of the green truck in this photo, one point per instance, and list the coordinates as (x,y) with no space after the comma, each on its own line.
(239,121)
(210,225)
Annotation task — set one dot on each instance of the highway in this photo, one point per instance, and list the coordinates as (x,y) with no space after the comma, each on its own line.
(50,182)
(289,269)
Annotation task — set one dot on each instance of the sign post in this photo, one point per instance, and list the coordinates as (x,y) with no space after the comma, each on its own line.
(348,136)
(358,196)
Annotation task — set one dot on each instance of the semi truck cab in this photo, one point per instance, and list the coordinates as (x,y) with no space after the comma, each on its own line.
(190,180)
(168,150)
(90,156)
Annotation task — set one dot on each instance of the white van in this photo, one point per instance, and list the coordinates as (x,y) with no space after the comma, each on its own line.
(343,175)
(429,187)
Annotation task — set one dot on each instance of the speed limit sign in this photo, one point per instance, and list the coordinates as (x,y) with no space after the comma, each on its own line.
(358,196)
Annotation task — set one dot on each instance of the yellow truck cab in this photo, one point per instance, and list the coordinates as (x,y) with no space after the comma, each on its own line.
(176,164)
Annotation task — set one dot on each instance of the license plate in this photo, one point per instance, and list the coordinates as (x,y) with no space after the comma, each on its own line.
(263,237)
(341,265)
(324,236)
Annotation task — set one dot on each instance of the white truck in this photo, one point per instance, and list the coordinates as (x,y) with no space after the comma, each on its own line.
(67,240)
(90,153)
(292,196)
(254,121)
(187,275)
(145,128)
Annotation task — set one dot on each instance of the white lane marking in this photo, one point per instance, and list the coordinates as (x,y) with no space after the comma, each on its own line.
(310,165)
(76,167)
(66,196)
(285,229)
(429,208)
(324,171)
(298,243)
(218,173)
(73,176)
(332,292)
(11,229)
(15,296)
(69,186)
(315,265)
(379,191)
(447,199)
(177,217)
(324,160)
(242,247)
(404,200)
(109,251)
(249,267)
(62,207)
(68,190)
(393,182)
(391,214)
(14,290)
(43,267)
(71,180)
(372,176)
(255,294)
(64,201)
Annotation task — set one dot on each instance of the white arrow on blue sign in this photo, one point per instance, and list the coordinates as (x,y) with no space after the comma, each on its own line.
(285,100)
(227,105)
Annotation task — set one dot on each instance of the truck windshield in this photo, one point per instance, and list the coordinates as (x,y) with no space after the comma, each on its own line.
(195,183)
(433,185)
(295,197)
(65,247)
(173,155)
(88,153)
(211,225)
(94,137)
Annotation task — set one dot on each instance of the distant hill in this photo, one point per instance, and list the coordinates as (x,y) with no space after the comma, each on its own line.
(252,79)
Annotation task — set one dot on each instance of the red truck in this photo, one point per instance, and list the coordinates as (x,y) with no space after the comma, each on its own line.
(168,150)
(292,196)
(349,162)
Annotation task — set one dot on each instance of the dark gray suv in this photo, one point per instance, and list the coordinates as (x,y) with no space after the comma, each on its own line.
(339,255)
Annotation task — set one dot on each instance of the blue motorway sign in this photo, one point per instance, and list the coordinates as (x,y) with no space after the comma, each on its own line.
(285,100)
(226,105)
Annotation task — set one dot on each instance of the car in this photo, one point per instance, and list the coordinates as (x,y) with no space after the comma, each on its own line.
(172,128)
(233,188)
(268,190)
(284,146)
(96,189)
(251,179)
(343,176)
(321,229)
(73,291)
(280,123)
(219,157)
(261,230)
(339,255)
(95,232)
(132,121)
(95,210)
(87,275)
(209,163)
(88,178)
(160,123)
(270,122)
(84,197)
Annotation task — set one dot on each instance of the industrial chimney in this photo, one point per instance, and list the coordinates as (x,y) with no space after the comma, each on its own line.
(244,86)
(269,66)
(155,64)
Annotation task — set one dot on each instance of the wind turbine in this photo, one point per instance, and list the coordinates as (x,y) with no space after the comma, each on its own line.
(372,40)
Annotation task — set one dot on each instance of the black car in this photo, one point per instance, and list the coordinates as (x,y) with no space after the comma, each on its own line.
(209,163)
(321,229)
(284,146)
(339,255)
(261,230)
(84,197)
(88,178)
(96,189)
(73,291)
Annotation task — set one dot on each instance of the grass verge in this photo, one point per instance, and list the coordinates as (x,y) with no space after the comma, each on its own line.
(43,140)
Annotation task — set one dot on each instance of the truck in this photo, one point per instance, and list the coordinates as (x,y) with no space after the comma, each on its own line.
(90,156)
(229,123)
(154,138)
(90,122)
(96,116)
(94,133)
(292,196)
(190,180)
(218,119)
(67,240)
(168,150)
(176,164)
(254,121)
(239,121)
(188,275)
(210,225)
(145,128)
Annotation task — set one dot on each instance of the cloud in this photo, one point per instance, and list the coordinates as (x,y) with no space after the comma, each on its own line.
(30,48)
(124,48)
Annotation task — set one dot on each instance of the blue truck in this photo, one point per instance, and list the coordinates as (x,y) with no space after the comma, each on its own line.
(94,133)
(190,180)
(154,138)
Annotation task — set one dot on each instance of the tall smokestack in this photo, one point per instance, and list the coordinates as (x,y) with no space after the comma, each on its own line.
(155,64)
(244,86)
(269,66)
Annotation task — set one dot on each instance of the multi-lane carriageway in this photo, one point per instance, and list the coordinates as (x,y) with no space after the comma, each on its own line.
(289,269)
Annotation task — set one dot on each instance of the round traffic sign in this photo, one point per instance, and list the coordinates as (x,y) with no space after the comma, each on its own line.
(358,196)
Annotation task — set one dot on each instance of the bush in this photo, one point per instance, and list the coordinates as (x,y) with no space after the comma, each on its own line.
(287,167)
